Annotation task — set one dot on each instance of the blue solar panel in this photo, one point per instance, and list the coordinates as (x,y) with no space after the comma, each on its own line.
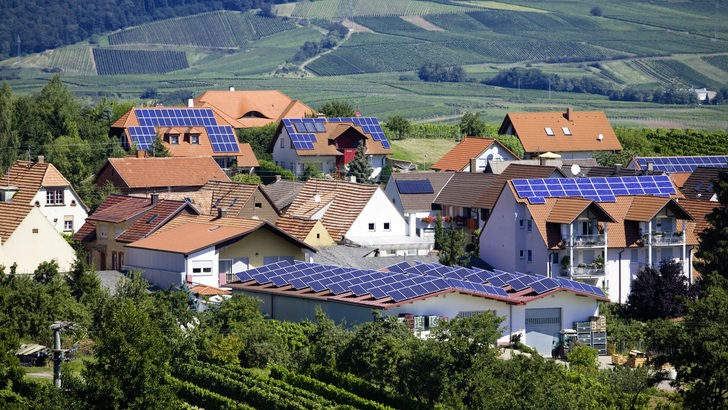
(223,138)
(683,164)
(142,137)
(414,186)
(598,189)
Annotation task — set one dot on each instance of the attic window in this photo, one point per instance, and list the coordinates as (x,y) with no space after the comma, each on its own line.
(258,205)
(194,139)
(174,139)
(566,130)
(152,218)
(234,201)
(549,131)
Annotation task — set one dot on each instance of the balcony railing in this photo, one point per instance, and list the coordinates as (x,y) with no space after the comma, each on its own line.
(664,238)
(585,241)
(587,270)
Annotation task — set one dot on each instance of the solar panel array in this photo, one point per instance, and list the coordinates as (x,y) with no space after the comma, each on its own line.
(414,186)
(222,137)
(597,189)
(303,130)
(683,164)
(405,282)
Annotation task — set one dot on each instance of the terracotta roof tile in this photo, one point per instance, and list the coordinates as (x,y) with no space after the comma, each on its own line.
(458,158)
(585,127)
(326,142)
(29,177)
(11,215)
(698,185)
(87,232)
(154,217)
(566,210)
(166,172)
(194,236)
(343,201)
(679,178)
(253,108)
(201,198)
(232,195)
(120,210)
(296,227)
(204,290)
(699,210)
(422,202)
(464,189)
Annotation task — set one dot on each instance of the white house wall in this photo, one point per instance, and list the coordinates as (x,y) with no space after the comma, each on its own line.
(57,214)
(500,235)
(163,269)
(493,153)
(204,256)
(35,240)
(378,210)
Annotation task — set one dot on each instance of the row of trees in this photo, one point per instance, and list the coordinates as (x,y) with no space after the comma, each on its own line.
(336,32)
(437,73)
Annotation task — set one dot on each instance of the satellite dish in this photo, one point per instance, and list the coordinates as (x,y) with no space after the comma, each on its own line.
(600,137)
(317,198)
(575,169)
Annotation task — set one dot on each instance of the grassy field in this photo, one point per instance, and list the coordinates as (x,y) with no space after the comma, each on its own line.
(376,71)
(423,152)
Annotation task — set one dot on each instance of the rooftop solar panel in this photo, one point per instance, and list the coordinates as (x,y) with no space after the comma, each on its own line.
(598,189)
(682,164)
(414,186)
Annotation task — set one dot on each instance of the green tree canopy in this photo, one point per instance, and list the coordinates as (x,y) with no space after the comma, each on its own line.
(333,109)
(359,167)
(658,293)
(712,255)
(472,125)
(399,125)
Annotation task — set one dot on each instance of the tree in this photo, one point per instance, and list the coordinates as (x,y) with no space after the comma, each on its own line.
(399,125)
(439,238)
(259,139)
(158,149)
(334,109)
(583,358)
(82,280)
(697,348)
(471,124)
(596,11)
(453,252)
(310,171)
(132,361)
(46,272)
(246,178)
(513,144)
(386,173)
(658,294)
(9,139)
(712,255)
(359,167)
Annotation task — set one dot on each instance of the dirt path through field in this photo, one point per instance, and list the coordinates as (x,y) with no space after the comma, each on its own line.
(421,23)
(346,23)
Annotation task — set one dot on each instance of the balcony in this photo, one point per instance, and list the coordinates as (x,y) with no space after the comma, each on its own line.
(585,241)
(664,238)
(587,270)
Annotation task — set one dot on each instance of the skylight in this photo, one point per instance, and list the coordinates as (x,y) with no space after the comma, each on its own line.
(549,131)
(566,130)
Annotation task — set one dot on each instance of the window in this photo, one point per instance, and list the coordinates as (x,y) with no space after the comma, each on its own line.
(258,205)
(225,267)
(195,139)
(201,267)
(68,223)
(530,256)
(530,225)
(386,226)
(174,139)
(549,131)
(520,254)
(371,227)
(54,197)
(103,231)
(114,261)
(283,143)
(555,258)
(633,256)
(520,223)
(566,130)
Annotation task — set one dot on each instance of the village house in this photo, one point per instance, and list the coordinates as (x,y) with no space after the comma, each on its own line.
(328,144)
(573,134)
(473,154)
(40,184)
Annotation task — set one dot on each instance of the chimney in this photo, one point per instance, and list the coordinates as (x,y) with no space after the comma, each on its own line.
(155,198)
(570,114)
(542,161)
(41,159)
(473,165)
(190,103)
(231,88)
(222,212)
(650,166)
(617,168)
(141,153)
(278,178)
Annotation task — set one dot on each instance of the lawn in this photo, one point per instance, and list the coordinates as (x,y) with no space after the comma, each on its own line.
(423,152)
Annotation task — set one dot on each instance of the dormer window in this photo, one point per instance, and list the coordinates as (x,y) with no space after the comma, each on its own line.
(566,130)
(194,139)
(54,197)
(174,139)
(549,131)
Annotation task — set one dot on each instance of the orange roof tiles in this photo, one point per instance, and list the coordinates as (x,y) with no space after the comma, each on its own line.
(204,290)
(194,236)
(566,210)
(584,127)
(11,215)
(253,108)
(341,201)
(233,195)
(29,177)
(296,227)
(458,158)
(166,172)
(154,217)
(699,185)
(699,210)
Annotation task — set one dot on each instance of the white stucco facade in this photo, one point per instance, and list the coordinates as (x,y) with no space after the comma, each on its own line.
(35,240)
(72,211)
(493,153)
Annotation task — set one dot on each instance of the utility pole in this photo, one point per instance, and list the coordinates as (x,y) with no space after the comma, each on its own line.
(58,353)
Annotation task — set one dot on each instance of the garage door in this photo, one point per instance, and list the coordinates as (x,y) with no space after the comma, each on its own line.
(542,326)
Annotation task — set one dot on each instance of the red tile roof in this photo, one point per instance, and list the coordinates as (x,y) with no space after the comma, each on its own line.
(154,217)
(87,233)
(343,202)
(29,177)
(253,108)
(11,215)
(204,290)
(458,158)
(585,128)
(166,172)
(699,185)
(233,195)
(296,227)
(194,236)
(326,142)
